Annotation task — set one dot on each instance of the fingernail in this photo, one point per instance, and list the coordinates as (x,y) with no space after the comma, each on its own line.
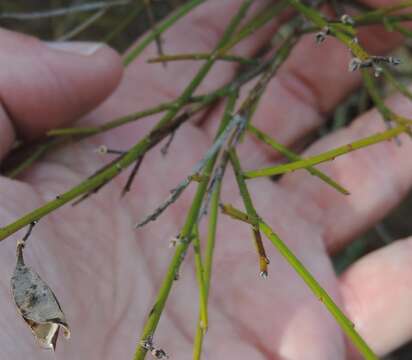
(77,47)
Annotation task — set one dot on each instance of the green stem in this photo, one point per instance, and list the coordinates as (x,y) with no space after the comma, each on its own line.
(261,19)
(211,233)
(357,50)
(38,152)
(174,266)
(210,246)
(289,154)
(161,28)
(366,22)
(137,150)
(342,32)
(203,315)
(378,14)
(328,155)
(251,212)
(236,214)
(201,56)
(153,25)
(192,216)
(346,325)
(123,24)
(120,121)
(386,113)
(397,84)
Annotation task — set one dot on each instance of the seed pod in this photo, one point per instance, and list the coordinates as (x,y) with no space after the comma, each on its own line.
(37,304)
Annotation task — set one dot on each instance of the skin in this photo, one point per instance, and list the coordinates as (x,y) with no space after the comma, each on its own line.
(106,274)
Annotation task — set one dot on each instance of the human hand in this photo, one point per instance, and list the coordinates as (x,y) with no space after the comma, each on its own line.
(106,274)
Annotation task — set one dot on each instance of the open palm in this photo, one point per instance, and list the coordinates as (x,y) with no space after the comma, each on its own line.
(106,274)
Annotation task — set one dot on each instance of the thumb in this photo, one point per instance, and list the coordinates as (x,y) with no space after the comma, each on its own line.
(46,85)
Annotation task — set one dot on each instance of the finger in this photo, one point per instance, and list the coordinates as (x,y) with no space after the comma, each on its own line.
(377,296)
(47,85)
(378,177)
(146,85)
(313,80)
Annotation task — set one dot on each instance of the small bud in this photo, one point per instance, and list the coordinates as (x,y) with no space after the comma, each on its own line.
(321,35)
(377,70)
(174,241)
(347,20)
(354,64)
(148,343)
(394,61)
(159,354)
(386,59)
(102,150)
(156,352)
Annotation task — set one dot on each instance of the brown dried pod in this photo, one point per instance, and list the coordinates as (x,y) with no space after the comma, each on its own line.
(37,304)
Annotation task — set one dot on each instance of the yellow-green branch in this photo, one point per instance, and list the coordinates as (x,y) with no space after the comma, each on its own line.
(346,325)
(328,155)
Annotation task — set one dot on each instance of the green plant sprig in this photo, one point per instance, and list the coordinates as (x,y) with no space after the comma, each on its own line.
(402,88)
(211,234)
(122,25)
(346,325)
(160,29)
(193,213)
(327,155)
(152,21)
(135,152)
(292,156)
(379,14)
(249,28)
(181,249)
(201,56)
(359,52)
(208,264)
(199,269)
(251,212)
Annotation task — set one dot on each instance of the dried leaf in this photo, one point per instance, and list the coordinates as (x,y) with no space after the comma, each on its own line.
(37,304)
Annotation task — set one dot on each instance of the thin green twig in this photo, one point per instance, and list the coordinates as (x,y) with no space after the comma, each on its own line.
(82,26)
(403,89)
(202,56)
(131,16)
(346,325)
(152,21)
(211,233)
(251,212)
(378,14)
(327,155)
(160,29)
(292,156)
(63,11)
(193,213)
(208,263)
(387,113)
(203,313)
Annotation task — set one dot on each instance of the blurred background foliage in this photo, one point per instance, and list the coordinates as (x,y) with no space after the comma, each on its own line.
(122,21)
